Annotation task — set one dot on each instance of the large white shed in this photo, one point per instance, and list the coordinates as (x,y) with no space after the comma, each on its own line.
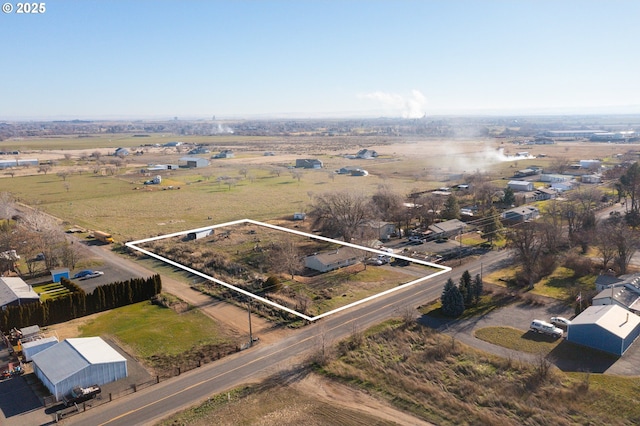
(78,362)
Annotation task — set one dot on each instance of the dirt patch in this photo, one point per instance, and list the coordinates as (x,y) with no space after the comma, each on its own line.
(341,395)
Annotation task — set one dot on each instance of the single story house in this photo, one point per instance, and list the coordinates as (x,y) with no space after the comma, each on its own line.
(607,328)
(335,259)
(521,214)
(626,296)
(121,152)
(366,154)
(562,186)
(225,153)
(446,229)
(591,178)
(14,292)
(308,163)
(552,178)
(520,185)
(78,362)
(194,162)
(545,194)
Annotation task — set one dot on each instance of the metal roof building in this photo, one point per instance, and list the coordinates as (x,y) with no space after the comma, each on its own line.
(14,291)
(608,328)
(78,362)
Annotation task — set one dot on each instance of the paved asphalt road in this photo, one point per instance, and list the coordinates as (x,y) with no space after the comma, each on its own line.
(153,403)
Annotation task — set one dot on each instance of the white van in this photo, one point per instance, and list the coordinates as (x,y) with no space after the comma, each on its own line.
(539,326)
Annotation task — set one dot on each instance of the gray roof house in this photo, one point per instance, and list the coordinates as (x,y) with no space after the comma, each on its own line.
(366,154)
(225,153)
(446,229)
(308,163)
(608,328)
(520,185)
(521,214)
(335,259)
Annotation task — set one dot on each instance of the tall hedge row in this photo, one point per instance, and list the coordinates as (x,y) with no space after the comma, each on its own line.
(78,304)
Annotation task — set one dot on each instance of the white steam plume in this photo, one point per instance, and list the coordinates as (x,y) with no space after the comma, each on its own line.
(411,106)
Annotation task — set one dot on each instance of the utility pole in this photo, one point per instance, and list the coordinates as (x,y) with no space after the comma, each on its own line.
(250,333)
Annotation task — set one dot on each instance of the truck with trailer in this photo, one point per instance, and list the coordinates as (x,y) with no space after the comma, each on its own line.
(103,236)
(79,395)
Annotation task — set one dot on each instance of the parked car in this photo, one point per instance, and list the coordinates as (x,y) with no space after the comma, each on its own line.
(79,394)
(83,273)
(539,326)
(93,274)
(417,239)
(560,322)
(374,261)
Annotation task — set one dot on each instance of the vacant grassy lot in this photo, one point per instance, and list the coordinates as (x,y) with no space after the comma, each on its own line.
(444,382)
(158,335)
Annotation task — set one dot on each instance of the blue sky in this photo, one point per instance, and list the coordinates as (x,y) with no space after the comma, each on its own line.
(160,59)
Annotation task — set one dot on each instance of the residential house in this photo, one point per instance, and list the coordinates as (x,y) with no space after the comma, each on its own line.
(379,229)
(520,214)
(366,154)
(446,229)
(626,296)
(595,178)
(225,153)
(552,178)
(545,194)
(335,259)
(308,163)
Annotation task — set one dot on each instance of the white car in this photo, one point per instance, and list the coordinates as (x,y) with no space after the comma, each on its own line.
(93,274)
(544,327)
(560,322)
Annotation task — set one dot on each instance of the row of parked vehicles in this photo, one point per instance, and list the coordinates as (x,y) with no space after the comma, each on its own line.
(551,328)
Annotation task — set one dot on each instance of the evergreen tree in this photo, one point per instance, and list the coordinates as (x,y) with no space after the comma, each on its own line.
(451,208)
(452,301)
(509,197)
(465,288)
(477,289)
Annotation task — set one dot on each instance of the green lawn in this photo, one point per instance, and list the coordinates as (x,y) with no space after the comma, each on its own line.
(512,338)
(151,330)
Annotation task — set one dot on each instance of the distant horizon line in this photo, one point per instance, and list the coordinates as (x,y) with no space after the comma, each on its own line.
(537,112)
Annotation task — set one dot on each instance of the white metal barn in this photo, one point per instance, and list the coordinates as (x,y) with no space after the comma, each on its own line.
(29,349)
(78,362)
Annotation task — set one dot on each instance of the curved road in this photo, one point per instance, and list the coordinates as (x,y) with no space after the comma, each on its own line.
(151,404)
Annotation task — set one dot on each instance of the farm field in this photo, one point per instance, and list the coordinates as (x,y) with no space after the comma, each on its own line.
(121,205)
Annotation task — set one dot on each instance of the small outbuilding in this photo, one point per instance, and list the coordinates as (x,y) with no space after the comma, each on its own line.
(308,163)
(58,274)
(608,328)
(446,229)
(78,362)
(520,185)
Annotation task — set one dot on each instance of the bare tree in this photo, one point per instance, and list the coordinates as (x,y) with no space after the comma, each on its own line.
(63,174)
(605,245)
(297,175)
(277,171)
(243,172)
(284,256)
(340,213)
(528,246)
(44,168)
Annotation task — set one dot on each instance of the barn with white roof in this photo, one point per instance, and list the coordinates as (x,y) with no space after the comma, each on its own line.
(78,362)
(609,328)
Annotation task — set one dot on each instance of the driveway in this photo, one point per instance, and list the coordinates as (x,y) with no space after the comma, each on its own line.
(519,315)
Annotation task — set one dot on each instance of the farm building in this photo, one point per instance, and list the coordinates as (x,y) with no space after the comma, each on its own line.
(156,167)
(194,162)
(562,186)
(328,261)
(30,348)
(624,293)
(520,185)
(14,291)
(551,178)
(589,164)
(308,163)
(121,152)
(78,362)
(607,328)
(23,162)
(521,214)
(446,229)
(299,216)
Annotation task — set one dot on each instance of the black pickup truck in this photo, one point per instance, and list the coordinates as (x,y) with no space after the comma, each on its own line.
(80,394)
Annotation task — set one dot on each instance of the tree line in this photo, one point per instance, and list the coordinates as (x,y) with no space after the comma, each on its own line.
(77,303)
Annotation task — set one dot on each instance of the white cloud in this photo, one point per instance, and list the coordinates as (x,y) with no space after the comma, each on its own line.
(409,106)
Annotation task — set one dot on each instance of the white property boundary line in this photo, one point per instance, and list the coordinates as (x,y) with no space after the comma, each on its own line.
(133,245)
